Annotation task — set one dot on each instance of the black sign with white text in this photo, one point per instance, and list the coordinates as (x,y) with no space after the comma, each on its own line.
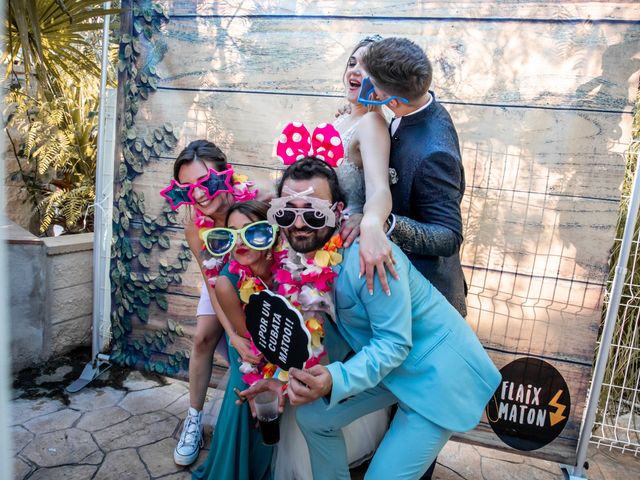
(278,330)
(531,406)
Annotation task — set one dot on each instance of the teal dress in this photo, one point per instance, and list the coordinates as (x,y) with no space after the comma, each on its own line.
(237,451)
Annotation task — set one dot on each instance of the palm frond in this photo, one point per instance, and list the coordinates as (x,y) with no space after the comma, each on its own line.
(45,35)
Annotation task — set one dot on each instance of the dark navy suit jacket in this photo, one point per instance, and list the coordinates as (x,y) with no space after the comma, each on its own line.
(425,154)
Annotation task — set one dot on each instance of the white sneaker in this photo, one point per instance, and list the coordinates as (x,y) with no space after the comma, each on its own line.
(191,439)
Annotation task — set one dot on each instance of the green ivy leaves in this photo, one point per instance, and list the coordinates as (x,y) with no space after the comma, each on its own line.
(139,238)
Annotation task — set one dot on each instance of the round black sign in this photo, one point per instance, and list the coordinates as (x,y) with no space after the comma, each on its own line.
(531,406)
(278,330)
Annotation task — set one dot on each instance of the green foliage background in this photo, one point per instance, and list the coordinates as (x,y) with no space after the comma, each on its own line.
(52,57)
(138,280)
(619,393)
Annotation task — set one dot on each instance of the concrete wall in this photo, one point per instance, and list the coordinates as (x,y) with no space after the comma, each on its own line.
(51,293)
(69,291)
(27,294)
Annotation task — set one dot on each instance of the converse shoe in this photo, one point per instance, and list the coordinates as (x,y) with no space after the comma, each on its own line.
(191,439)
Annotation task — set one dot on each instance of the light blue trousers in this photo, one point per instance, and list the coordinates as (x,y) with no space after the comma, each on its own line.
(407,449)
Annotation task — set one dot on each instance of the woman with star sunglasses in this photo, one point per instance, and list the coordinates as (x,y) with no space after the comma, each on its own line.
(203,184)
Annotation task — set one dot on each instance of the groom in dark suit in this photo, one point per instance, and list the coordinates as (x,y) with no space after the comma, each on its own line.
(425,155)
(427,180)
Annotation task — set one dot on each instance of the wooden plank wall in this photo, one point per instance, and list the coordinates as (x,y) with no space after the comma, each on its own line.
(541,94)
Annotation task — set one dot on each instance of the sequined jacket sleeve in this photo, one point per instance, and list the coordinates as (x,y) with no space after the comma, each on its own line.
(435,226)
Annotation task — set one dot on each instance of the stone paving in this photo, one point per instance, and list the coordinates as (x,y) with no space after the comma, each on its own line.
(124,426)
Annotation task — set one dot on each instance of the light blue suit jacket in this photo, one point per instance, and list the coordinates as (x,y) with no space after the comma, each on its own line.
(413,342)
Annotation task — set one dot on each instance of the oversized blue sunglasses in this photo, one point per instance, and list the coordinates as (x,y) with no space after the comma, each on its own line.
(257,236)
(367,89)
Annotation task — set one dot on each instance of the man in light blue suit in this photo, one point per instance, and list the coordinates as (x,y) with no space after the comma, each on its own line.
(411,348)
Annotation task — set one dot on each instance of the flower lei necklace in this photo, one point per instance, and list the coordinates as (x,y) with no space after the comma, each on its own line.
(243,190)
(305,282)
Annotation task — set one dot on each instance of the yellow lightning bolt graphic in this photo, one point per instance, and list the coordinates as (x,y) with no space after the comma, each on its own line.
(556,417)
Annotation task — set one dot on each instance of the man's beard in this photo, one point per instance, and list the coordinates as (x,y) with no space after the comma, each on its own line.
(312,241)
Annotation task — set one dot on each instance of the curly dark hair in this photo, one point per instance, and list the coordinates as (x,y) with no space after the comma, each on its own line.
(399,67)
(200,150)
(311,167)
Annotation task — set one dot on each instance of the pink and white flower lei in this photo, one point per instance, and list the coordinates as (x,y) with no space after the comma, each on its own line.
(306,283)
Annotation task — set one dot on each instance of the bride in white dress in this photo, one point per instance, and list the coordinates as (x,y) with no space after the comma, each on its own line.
(364,173)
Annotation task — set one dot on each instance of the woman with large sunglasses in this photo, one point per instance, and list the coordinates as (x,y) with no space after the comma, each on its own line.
(204,182)
(364,173)
(237,450)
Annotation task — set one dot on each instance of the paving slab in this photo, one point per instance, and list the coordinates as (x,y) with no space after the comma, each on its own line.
(158,458)
(501,455)
(53,421)
(95,458)
(96,438)
(89,399)
(68,472)
(21,468)
(614,464)
(64,447)
(103,418)
(122,465)
(184,475)
(138,431)
(550,467)
(20,438)
(462,458)
(137,381)
(152,399)
(202,456)
(23,410)
(443,472)
(492,469)
(180,406)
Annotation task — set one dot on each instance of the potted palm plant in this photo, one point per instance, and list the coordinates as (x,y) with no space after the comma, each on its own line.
(53,70)
(51,122)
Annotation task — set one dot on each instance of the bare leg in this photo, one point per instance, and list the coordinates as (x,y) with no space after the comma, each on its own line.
(208,332)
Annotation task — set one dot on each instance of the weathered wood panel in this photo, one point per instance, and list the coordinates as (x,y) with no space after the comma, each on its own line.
(509,64)
(526,10)
(541,99)
(525,314)
(538,234)
(554,151)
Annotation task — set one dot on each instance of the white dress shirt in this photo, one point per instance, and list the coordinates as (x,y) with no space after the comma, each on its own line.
(395,122)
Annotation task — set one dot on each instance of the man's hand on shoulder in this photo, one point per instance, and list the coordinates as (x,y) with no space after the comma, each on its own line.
(350,229)
(343,110)
(305,386)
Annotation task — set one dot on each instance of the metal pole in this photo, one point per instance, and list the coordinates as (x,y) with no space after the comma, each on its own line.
(609,324)
(99,363)
(98,267)
(7,443)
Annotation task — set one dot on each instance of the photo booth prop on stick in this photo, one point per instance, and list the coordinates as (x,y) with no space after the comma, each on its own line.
(541,95)
(277,329)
